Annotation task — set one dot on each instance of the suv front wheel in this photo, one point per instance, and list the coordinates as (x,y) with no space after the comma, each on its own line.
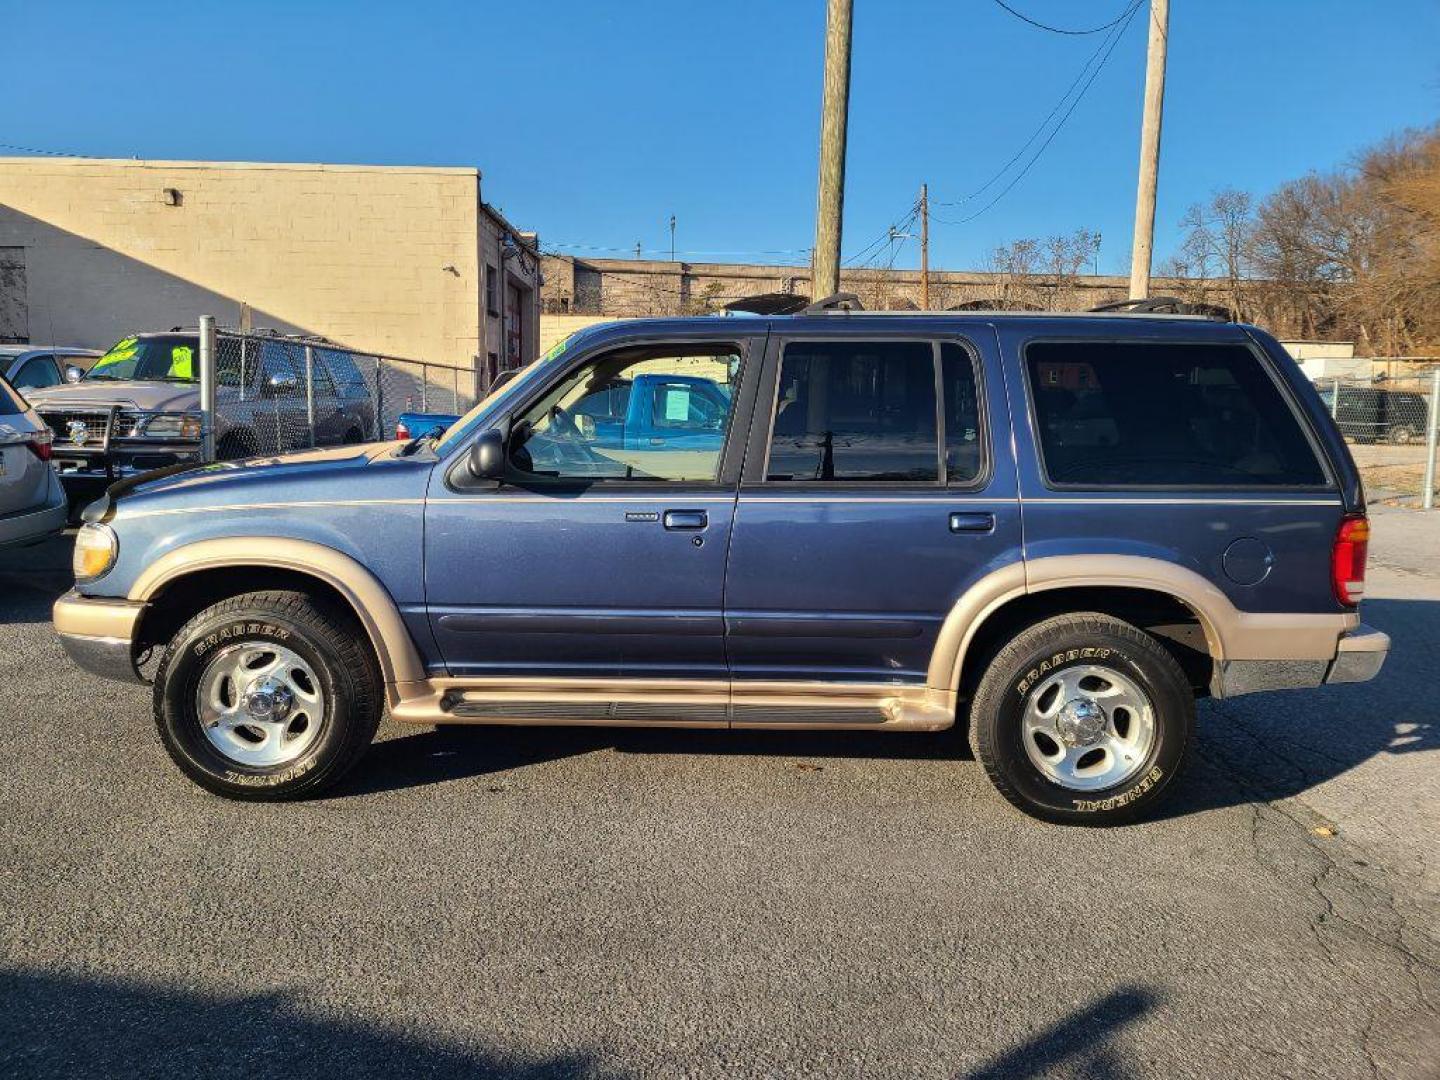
(1083,719)
(267,696)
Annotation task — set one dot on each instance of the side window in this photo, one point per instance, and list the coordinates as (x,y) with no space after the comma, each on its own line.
(856,411)
(323,384)
(276,363)
(964,452)
(1112,413)
(641,414)
(36,372)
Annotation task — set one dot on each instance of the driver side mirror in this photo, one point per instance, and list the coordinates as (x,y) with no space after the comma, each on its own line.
(487,455)
(73,374)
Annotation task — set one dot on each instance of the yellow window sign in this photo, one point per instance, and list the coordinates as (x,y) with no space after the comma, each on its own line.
(118,354)
(182,362)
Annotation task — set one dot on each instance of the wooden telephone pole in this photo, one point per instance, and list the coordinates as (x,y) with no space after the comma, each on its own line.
(924,247)
(834,115)
(1141,252)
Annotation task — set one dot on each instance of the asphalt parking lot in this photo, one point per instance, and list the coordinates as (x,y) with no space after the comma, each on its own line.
(530,902)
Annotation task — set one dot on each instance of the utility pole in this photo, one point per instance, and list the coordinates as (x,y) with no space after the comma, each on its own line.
(924,247)
(637,249)
(1141,252)
(834,115)
(672,237)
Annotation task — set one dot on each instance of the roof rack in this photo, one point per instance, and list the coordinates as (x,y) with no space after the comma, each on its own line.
(841,301)
(1164,305)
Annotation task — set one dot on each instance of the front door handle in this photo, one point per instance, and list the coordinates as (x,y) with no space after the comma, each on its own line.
(686,519)
(972,522)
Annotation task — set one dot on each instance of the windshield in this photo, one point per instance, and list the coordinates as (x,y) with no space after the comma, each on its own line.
(462,427)
(152,359)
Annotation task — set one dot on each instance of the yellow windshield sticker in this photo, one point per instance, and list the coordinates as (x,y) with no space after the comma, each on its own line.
(118,354)
(182,362)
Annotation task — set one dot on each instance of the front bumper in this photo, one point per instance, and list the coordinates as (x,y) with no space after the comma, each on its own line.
(120,460)
(1359,655)
(98,633)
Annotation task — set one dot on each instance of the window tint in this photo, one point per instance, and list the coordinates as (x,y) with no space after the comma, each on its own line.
(1112,413)
(963,455)
(855,411)
(634,414)
(36,372)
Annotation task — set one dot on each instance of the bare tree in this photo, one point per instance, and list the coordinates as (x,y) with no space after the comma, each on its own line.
(1217,243)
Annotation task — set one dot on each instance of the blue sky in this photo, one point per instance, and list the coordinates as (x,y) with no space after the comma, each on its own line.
(593,122)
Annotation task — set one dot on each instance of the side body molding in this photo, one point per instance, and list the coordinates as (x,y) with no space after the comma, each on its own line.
(370,600)
(1231,634)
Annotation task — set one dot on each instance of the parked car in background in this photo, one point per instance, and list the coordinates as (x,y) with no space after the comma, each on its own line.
(1055,532)
(31,367)
(1374,414)
(138,407)
(32,503)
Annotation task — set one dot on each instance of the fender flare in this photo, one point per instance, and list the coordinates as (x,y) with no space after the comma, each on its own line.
(367,597)
(1230,634)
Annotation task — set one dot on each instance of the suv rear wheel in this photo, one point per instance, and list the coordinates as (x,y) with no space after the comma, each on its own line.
(1083,719)
(267,696)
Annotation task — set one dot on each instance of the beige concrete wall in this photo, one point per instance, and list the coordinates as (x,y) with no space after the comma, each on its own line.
(378,258)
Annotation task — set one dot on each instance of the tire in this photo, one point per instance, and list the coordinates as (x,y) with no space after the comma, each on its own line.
(1400,434)
(1029,730)
(282,649)
(236,445)
(353,437)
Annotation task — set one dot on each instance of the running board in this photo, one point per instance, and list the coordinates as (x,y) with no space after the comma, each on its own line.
(672,703)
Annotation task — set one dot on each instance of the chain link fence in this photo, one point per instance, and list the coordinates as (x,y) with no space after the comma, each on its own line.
(275,393)
(1390,425)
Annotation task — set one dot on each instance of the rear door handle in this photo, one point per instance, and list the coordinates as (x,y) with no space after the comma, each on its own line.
(972,522)
(686,519)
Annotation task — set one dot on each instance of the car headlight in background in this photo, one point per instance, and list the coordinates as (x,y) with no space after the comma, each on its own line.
(185,426)
(96,547)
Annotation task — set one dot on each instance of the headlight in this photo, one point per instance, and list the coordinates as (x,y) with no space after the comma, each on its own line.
(96,547)
(167,426)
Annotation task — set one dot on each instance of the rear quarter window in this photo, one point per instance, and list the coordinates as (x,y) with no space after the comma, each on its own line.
(1152,414)
(11,403)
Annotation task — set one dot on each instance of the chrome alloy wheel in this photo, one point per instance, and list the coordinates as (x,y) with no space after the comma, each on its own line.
(1088,727)
(260,704)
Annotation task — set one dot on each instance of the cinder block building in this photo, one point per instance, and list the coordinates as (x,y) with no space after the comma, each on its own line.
(405,261)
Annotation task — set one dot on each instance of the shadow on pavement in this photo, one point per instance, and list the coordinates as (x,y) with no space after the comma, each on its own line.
(1081,1039)
(66,1026)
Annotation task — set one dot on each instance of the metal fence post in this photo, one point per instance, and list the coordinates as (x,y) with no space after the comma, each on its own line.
(379,401)
(310,392)
(207,387)
(1432,441)
(1335,398)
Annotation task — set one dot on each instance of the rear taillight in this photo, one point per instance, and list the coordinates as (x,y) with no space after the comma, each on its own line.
(1347,560)
(401,431)
(39,444)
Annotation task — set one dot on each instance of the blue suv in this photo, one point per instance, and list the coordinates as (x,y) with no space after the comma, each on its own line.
(1057,532)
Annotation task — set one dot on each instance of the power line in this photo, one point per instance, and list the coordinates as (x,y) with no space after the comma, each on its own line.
(1060,29)
(1109,51)
(1042,125)
(33,150)
(898,225)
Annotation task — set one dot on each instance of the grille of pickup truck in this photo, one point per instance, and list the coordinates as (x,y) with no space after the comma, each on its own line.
(78,427)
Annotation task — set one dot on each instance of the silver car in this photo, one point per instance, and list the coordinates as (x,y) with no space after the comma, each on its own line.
(138,408)
(32,503)
(31,367)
